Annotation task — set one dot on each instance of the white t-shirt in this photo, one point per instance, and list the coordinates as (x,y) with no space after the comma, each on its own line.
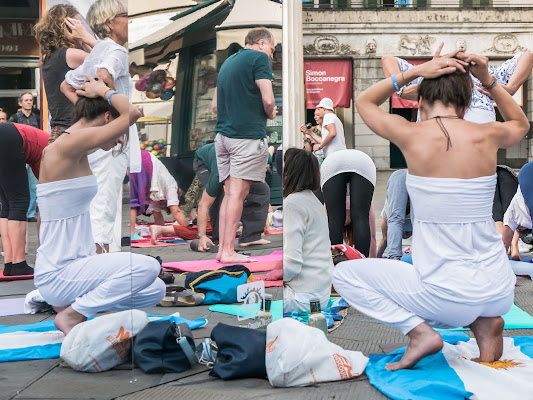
(338,142)
(517,213)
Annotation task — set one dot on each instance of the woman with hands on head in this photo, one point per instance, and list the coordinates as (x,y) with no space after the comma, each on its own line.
(461,275)
(69,274)
(65,44)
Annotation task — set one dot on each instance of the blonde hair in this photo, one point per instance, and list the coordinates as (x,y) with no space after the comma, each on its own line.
(102,11)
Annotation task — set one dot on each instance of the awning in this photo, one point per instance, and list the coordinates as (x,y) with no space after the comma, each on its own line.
(136,8)
(246,15)
(158,46)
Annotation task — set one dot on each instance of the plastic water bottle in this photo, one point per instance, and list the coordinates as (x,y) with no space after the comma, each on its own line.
(264,317)
(317,319)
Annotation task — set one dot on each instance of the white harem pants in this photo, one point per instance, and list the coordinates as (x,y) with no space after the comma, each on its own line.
(392,292)
(105,282)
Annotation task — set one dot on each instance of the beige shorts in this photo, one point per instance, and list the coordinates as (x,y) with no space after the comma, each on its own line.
(241,158)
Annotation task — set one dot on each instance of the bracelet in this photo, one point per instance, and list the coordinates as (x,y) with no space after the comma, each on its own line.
(109,97)
(490,85)
(395,83)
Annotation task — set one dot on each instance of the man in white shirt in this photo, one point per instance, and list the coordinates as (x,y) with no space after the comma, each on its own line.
(332,139)
(519,212)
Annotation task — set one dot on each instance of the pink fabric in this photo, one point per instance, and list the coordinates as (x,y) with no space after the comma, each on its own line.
(14,278)
(139,244)
(264,263)
(267,282)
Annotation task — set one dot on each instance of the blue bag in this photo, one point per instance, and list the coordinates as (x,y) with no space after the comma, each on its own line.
(219,286)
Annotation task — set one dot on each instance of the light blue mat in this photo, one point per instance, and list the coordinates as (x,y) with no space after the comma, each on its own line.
(276,309)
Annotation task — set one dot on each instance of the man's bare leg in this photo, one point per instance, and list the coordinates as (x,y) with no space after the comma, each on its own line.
(230,214)
(158,230)
(158,218)
(67,319)
(424,341)
(488,332)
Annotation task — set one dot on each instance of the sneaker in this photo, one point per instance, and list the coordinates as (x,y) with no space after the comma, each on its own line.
(522,247)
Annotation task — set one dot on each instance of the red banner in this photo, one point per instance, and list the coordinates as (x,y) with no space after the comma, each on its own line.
(328,78)
(396,102)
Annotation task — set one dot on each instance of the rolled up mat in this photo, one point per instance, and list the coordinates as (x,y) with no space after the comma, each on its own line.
(14,278)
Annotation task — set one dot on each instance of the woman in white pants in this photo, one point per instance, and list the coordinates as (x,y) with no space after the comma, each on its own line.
(460,275)
(68,273)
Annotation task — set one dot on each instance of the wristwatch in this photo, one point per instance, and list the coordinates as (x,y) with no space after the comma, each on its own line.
(200,235)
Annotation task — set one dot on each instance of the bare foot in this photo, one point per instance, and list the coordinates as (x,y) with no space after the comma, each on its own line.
(424,341)
(234,258)
(489,335)
(260,241)
(155,232)
(67,319)
(515,256)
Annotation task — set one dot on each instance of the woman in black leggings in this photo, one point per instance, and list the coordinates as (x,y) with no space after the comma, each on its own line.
(355,170)
(19,145)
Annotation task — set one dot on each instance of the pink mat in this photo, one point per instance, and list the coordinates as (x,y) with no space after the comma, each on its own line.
(274,232)
(263,263)
(14,278)
(267,283)
(145,242)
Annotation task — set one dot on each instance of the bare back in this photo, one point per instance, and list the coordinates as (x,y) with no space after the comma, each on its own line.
(59,163)
(471,152)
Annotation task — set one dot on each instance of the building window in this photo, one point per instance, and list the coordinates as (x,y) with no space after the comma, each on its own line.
(399,3)
(476,3)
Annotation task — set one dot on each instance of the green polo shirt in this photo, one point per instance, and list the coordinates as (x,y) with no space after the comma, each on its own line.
(240,112)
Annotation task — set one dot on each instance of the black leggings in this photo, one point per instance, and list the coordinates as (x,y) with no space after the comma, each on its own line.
(14,188)
(361,192)
(506,186)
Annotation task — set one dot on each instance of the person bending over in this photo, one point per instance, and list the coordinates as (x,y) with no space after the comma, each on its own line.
(518,215)
(355,171)
(69,274)
(154,185)
(461,275)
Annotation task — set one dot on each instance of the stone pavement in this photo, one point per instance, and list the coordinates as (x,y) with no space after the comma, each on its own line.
(52,379)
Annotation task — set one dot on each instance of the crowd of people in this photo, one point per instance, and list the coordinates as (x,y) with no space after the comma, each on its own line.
(463,213)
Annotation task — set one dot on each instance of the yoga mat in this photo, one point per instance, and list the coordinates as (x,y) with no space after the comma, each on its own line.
(146,243)
(274,232)
(524,259)
(13,278)
(12,307)
(267,283)
(263,263)
(276,309)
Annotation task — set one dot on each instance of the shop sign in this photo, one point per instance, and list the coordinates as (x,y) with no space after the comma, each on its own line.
(17,38)
(328,78)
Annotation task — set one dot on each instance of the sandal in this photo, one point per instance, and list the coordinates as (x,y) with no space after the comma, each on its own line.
(178,296)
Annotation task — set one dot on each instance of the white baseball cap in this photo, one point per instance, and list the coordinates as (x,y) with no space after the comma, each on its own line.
(326,103)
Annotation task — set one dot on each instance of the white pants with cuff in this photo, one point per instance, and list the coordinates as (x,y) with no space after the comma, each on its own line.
(392,292)
(106,282)
(299,302)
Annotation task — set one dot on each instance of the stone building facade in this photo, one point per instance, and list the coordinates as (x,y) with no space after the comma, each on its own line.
(365,35)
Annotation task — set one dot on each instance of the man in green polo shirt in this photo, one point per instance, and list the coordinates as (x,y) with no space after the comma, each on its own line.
(244,101)
(254,212)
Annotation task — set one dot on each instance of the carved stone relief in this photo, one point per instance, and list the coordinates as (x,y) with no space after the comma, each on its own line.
(328,45)
(416,46)
(371,46)
(506,44)
(460,44)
